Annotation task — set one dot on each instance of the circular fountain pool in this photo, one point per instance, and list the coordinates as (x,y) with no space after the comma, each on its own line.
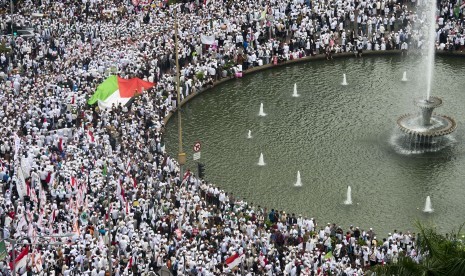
(336,136)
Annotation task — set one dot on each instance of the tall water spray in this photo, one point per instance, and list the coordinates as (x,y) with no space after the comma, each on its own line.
(348,200)
(261,161)
(261,112)
(428,207)
(249,135)
(298,183)
(429,7)
(404,76)
(425,130)
(295,94)
(344,80)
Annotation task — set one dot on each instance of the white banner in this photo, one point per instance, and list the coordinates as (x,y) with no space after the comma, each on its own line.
(17,146)
(21,183)
(26,167)
(207,39)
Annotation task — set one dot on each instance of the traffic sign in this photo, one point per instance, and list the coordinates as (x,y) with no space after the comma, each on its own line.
(197,147)
(196,155)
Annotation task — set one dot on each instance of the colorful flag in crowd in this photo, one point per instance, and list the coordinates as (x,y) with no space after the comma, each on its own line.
(116,90)
(234,260)
(105,169)
(329,255)
(21,259)
(186,176)
(90,137)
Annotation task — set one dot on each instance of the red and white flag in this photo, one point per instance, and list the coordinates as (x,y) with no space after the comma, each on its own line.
(60,144)
(120,191)
(234,260)
(72,181)
(21,259)
(186,176)
(129,264)
(90,137)
(128,167)
(134,182)
(50,178)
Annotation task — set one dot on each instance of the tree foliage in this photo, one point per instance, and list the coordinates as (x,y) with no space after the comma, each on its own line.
(439,255)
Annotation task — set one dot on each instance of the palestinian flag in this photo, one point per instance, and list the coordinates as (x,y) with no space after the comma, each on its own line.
(328,255)
(115,90)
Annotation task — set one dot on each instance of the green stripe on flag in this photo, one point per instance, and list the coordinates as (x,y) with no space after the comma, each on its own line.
(105,170)
(328,255)
(104,90)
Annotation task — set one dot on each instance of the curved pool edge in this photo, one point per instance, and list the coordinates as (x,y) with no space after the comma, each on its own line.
(296,61)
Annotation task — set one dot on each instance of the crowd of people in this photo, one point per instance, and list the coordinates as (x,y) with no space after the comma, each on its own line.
(86,191)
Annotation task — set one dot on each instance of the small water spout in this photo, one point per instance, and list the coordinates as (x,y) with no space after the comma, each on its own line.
(261,113)
(428,207)
(348,200)
(404,77)
(298,183)
(261,161)
(249,135)
(344,80)
(295,94)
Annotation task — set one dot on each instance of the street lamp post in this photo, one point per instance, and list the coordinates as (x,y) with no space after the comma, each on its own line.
(181,154)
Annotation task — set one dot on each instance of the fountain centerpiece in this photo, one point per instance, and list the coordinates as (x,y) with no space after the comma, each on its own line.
(426,130)
(426,126)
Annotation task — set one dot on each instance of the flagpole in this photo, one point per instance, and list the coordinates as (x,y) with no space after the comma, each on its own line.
(109,226)
(181,154)
(14,257)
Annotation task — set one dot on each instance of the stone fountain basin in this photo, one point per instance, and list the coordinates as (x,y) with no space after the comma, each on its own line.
(440,125)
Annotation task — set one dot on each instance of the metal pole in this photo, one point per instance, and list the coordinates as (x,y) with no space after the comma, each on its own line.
(14,257)
(12,35)
(181,154)
(109,228)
